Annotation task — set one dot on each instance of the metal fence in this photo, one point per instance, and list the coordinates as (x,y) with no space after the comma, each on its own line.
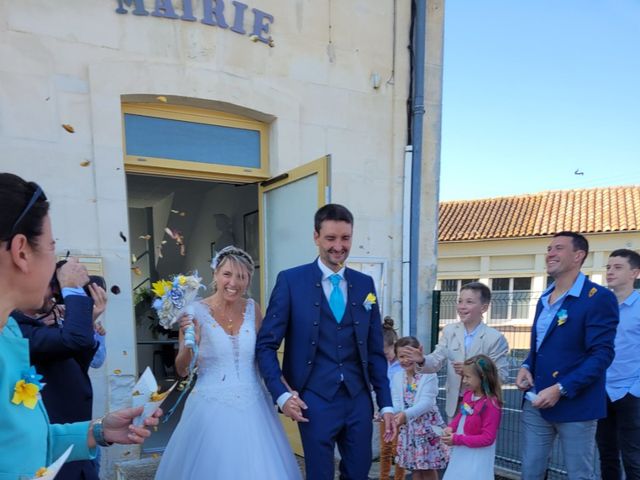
(511,313)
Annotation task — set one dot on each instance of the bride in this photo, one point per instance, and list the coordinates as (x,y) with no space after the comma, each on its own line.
(229,428)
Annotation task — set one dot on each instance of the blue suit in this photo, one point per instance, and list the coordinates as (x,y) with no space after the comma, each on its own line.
(333,366)
(577,354)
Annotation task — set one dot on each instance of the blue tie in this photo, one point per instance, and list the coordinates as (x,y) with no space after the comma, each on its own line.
(336,299)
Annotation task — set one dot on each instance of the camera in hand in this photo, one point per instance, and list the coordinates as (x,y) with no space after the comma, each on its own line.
(57,291)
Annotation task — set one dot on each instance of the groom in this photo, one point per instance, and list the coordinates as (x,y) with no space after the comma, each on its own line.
(333,353)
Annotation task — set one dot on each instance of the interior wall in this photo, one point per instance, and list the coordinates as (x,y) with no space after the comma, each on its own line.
(204,213)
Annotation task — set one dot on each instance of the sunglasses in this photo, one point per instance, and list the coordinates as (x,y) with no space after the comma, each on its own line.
(34,198)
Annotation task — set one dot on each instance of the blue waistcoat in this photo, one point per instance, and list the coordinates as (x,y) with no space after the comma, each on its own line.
(337,360)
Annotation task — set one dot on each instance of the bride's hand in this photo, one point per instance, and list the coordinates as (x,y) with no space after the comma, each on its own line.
(187,321)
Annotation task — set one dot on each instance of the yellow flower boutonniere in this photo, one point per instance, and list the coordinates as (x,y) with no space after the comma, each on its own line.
(26,393)
(592,292)
(27,389)
(369,301)
(563,316)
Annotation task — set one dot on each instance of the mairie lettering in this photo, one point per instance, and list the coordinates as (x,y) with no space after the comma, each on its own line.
(217,13)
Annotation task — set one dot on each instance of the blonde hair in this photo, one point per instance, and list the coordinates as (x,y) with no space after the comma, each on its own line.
(237,257)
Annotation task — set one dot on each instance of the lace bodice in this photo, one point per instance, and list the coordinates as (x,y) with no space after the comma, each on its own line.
(227,371)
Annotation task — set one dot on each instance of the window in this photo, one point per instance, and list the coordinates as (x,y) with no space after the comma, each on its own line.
(193,142)
(511,299)
(449,285)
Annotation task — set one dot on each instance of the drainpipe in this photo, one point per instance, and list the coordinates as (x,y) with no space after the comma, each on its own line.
(419,19)
(406,241)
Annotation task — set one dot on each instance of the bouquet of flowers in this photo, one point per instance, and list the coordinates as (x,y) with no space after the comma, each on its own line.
(175,298)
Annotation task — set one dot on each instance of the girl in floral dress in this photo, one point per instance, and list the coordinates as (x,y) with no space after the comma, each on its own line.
(414,401)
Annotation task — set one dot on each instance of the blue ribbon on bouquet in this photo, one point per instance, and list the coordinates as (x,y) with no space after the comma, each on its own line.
(185,385)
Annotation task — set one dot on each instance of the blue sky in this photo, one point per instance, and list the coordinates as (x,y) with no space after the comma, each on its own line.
(534,90)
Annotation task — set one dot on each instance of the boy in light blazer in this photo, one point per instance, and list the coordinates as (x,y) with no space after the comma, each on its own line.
(464,339)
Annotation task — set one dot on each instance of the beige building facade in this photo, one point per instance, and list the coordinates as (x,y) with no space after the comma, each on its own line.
(502,243)
(162,131)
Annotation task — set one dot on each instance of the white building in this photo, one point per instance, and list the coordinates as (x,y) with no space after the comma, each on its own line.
(224,122)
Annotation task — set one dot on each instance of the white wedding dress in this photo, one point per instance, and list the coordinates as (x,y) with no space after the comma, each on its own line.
(229,427)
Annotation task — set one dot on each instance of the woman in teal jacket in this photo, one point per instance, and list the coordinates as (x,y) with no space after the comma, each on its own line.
(28,441)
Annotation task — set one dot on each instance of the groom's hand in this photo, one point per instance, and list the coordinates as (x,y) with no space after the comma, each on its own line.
(293,407)
(390,427)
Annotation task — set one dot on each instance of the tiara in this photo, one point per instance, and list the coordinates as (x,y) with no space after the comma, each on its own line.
(230,251)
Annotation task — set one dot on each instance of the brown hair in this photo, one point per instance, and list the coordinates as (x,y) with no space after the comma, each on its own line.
(484,368)
(23,206)
(332,211)
(485,292)
(406,342)
(389,335)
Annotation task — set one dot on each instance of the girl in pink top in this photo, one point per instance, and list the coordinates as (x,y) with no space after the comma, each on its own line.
(476,424)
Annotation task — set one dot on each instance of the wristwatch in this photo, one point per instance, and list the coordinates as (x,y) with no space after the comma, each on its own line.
(98,433)
(563,392)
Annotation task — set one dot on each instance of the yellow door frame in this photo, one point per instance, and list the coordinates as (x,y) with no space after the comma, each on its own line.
(319,167)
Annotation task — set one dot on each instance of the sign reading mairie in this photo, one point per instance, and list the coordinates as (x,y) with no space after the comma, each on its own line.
(217,13)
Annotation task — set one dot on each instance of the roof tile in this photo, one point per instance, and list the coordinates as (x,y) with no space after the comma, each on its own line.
(607,209)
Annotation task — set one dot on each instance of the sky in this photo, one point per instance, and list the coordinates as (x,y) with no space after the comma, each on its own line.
(535,90)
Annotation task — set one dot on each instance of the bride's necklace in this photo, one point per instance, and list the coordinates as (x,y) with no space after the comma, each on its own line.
(228,320)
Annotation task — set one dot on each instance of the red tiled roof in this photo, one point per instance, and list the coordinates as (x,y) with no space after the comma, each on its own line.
(593,210)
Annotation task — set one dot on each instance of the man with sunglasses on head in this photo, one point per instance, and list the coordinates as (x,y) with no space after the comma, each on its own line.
(62,346)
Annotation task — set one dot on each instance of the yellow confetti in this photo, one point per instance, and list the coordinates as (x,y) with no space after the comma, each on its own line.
(117,371)
(85,163)
(68,128)
(155,455)
(137,271)
(42,471)
(161,98)
(145,237)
